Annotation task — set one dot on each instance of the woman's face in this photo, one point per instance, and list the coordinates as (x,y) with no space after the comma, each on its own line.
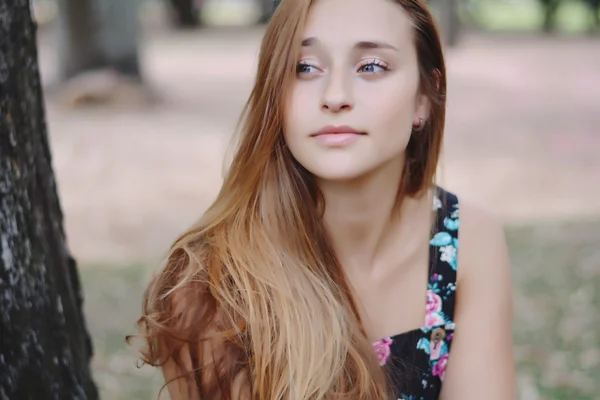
(355,96)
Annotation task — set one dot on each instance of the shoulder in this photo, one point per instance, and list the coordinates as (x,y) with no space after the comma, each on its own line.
(484,271)
(483,251)
(483,311)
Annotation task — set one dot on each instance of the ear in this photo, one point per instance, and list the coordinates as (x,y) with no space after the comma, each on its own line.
(422,107)
(422,101)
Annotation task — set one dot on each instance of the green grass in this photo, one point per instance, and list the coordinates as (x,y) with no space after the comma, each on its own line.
(112,304)
(526,16)
(556,270)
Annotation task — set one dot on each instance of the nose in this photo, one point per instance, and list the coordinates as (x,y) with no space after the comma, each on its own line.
(337,94)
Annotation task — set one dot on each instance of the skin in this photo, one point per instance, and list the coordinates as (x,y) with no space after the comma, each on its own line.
(358,67)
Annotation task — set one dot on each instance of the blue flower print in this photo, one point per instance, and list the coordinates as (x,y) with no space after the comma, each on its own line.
(441,239)
(451,224)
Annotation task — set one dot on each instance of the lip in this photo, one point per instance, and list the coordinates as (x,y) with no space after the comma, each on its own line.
(337,139)
(338,130)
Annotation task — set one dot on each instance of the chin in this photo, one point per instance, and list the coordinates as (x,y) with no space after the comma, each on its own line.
(338,173)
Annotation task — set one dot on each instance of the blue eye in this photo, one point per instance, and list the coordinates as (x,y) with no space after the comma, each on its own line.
(373,67)
(303,68)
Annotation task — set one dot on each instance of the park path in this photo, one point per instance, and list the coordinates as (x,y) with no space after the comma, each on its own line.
(522,139)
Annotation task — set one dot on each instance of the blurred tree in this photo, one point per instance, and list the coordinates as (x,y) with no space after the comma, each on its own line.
(449,20)
(98,37)
(96,34)
(594,6)
(267,8)
(550,8)
(45,349)
(186,13)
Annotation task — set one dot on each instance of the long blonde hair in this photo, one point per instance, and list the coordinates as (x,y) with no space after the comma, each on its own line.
(257,273)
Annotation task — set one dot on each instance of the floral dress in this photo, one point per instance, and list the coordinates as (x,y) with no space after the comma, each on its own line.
(415,361)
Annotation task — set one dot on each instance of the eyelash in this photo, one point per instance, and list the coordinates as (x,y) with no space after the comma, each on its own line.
(374,61)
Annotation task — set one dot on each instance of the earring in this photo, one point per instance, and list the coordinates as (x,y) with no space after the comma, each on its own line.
(421,125)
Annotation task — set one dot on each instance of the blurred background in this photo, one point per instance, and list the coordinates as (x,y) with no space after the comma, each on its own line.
(143,97)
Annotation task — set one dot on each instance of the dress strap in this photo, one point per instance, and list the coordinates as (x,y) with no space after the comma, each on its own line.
(443,260)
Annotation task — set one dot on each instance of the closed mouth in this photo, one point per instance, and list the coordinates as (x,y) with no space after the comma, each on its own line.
(338,130)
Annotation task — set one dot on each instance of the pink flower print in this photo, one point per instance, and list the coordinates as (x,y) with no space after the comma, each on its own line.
(439,369)
(434,319)
(382,349)
(434,302)
(434,306)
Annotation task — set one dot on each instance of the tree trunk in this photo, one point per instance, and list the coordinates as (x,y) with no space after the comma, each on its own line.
(78,45)
(99,58)
(449,21)
(96,34)
(186,14)
(267,8)
(45,349)
(550,9)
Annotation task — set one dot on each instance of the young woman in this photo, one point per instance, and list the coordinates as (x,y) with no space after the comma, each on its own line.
(328,266)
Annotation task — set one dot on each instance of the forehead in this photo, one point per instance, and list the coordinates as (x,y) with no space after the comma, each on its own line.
(349,21)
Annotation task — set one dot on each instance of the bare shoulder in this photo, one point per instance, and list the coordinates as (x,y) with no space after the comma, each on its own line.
(483,251)
(483,313)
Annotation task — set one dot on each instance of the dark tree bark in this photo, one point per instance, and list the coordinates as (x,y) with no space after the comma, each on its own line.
(45,349)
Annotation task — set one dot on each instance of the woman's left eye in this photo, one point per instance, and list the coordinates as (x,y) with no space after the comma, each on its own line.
(373,67)
(303,68)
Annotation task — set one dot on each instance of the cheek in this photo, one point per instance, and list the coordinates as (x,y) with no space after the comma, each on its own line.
(298,105)
(392,112)
(394,103)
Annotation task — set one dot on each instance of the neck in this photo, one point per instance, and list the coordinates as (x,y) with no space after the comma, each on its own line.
(361,214)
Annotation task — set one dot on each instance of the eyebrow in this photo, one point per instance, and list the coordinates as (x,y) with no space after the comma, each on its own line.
(362,45)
